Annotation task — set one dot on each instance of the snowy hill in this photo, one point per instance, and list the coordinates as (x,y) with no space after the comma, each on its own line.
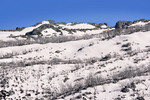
(76,61)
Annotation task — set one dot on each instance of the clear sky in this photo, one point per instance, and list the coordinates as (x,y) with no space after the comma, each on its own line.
(23,13)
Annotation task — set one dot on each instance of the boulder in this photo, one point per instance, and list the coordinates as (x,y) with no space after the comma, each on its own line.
(125,89)
(123,24)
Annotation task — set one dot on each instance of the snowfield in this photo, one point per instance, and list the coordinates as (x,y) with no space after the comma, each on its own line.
(79,26)
(117,68)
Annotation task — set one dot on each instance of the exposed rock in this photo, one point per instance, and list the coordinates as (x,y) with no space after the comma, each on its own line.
(51,21)
(125,89)
(38,30)
(122,24)
(79,97)
(61,23)
(58,51)
(132,86)
(126,45)
(140,98)
(141,20)
(127,49)
(80,49)
(28,94)
(34,32)
(19,28)
(107,57)
(106,24)
(103,25)
(117,98)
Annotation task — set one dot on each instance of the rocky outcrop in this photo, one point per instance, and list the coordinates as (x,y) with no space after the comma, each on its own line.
(121,28)
(19,28)
(141,20)
(123,24)
(125,31)
(38,30)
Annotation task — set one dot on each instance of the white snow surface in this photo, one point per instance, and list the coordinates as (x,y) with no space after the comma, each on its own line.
(140,23)
(79,26)
(45,71)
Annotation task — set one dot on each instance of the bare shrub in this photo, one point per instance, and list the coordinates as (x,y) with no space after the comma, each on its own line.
(127,73)
(93,80)
(131,72)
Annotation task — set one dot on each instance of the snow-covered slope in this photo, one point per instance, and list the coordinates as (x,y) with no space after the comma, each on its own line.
(140,23)
(4,35)
(116,68)
(79,26)
(77,29)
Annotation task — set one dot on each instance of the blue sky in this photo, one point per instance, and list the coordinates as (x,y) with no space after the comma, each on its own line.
(23,13)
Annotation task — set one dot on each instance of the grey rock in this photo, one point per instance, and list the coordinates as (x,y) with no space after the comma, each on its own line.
(38,30)
(126,45)
(123,24)
(107,57)
(100,24)
(140,98)
(141,20)
(125,89)
(20,28)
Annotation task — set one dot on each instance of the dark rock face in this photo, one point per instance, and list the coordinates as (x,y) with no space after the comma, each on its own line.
(107,57)
(122,24)
(106,24)
(126,45)
(101,24)
(140,98)
(34,32)
(80,49)
(129,30)
(125,89)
